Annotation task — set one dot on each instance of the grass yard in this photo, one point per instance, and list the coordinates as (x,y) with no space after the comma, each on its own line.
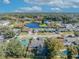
(67,33)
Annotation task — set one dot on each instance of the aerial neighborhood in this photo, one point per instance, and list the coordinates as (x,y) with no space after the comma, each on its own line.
(41,36)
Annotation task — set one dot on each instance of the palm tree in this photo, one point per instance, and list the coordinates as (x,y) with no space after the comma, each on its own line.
(72,50)
(54,46)
(69,54)
(78,50)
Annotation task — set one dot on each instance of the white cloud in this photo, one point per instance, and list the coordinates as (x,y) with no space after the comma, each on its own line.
(56,9)
(6,1)
(30,9)
(38,2)
(56,3)
(64,3)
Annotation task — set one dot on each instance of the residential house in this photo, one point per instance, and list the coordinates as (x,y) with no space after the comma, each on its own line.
(4,23)
(72,40)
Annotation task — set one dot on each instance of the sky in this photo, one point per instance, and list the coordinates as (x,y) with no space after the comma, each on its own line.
(7,6)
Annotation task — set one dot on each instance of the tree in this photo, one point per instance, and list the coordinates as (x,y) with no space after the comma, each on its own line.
(3,46)
(76,33)
(7,32)
(54,46)
(65,19)
(77,49)
(42,19)
(15,49)
(71,50)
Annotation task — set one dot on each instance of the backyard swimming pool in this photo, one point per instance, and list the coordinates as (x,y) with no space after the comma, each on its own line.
(24,42)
